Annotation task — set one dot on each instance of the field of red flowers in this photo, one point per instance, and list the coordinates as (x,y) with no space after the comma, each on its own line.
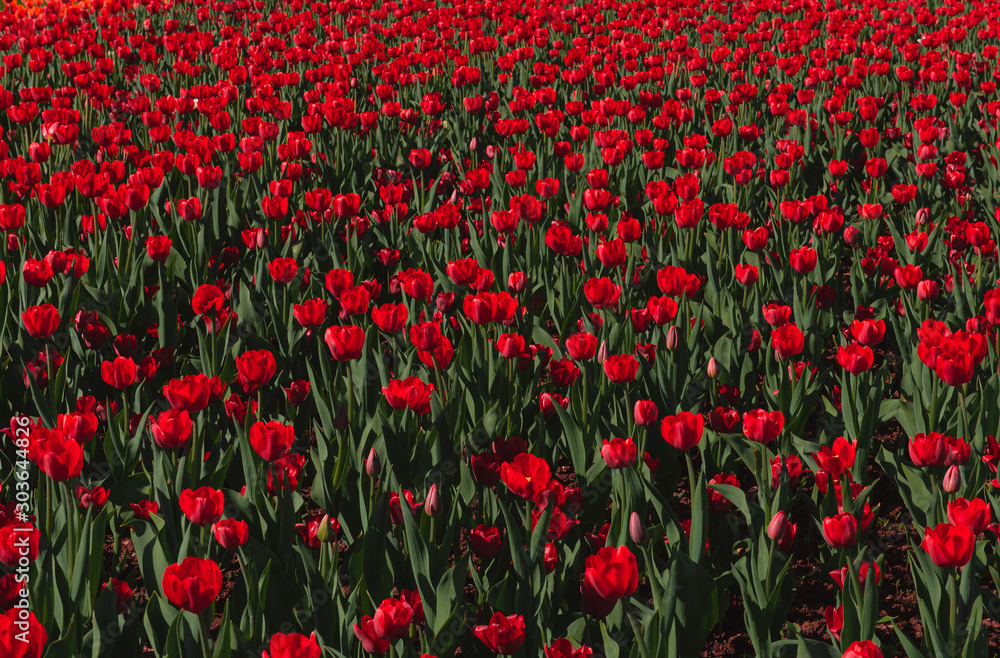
(634,329)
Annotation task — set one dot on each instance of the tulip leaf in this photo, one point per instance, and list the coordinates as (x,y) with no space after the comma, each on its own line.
(420,562)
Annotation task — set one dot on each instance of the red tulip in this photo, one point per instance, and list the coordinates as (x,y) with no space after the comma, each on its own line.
(975,514)
(621,368)
(581,346)
(41,321)
(202,506)
(59,458)
(76,426)
(485,542)
(190,393)
(862,649)
(390,318)
(392,619)
(619,453)
(504,634)
(171,429)
(949,545)
(683,431)
(840,530)
(271,440)
(787,341)
(608,576)
(255,368)
(207,299)
(119,373)
(563,648)
(311,313)
(409,393)
(231,533)
(645,413)
(928,450)
(293,645)
(370,640)
(345,342)
(855,358)
(192,585)
(21,634)
(526,475)
(158,247)
(802,260)
(762,426)
(839,458)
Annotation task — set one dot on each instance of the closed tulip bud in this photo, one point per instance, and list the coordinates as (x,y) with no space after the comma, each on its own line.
(324,532)
(952,479)
(602,352)
(713,368)
(472,144)
(923,215)
(432,504)
(852,235)
(637,529)
(372,465)
(778,525)
(340,418)
(673,338)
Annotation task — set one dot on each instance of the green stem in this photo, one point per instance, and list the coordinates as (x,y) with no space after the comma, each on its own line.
(71,513)
(638,636)
(205,635)
(246,578)
(953,603)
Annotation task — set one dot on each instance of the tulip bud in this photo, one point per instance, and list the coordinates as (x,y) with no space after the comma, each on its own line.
(491,151)
(472,144)
(372,465)
(923,215)
(324,532)
(517,281)
(432,504)
(713,369)
(602,352)
(673,338)
(637,529)
(952,479)
(340,418)
(852,235)
(777,527)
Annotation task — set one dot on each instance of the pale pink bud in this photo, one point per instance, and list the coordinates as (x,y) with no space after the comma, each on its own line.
(673,338)
(952,479)
(432,504)
(372,464)
(637,529)
(778,526)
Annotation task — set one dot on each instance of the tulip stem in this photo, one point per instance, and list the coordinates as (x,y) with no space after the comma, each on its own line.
(205,635)
(246,579)
(965,417)
(953,603)
(654,581)
(71,541)
(638,636)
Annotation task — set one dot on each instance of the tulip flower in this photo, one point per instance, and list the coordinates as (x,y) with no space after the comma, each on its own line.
(683,430)
(192,585)
(503,635)
(840,530)
(293,645)
(949,545)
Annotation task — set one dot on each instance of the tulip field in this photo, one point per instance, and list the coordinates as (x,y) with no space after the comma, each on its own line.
(535,328)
